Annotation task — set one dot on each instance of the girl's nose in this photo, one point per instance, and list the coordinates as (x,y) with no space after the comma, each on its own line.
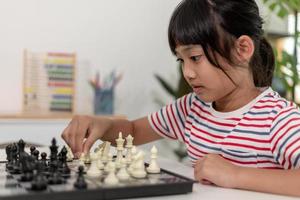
(188,72)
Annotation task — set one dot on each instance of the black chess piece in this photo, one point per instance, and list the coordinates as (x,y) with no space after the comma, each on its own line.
(28,165)
(9,158)
(59,160)
(55,176)
(36,153)
(32,148)
(16,167)
(21,146)
(21,150)
(44,160)
(64,168)
(80,182)
(53,151)
(44,164)
(39,182)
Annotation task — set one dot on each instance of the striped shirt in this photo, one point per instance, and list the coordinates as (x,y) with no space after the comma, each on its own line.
(265,133)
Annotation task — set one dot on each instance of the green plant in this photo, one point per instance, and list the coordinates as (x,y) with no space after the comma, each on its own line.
(181,89)
(286,64)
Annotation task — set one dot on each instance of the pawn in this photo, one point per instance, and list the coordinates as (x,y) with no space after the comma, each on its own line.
(80,182)
(36,154)
(110,160)
(82,161)
(134,152)
(153,167)
(85,158)
(32,148)
(100,164)
(44,159)
(44,164)
(39,182)
(55,178)
(123,174)
(93,170)
(111,178)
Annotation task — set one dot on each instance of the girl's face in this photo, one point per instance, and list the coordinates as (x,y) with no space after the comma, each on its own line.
(209,82)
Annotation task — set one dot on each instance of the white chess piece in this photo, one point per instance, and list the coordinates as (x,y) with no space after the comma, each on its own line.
(134,152)
(96,150)
(111,178)
(120,143)
(123,174)
(81,161)
(129,144)
(139,166)
(105,151)
(93,170)
(109,161)
(82,157)
(100,164)
(70,155)
(85,158)
(153,167)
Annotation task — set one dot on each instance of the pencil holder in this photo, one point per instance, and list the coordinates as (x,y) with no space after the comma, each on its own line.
(104,102)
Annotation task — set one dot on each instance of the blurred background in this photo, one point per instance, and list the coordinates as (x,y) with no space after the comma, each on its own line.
(65,57)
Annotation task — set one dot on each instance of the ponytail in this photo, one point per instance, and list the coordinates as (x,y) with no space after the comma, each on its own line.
(263,63)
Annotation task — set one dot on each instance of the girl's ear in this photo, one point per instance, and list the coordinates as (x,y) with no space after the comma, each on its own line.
(244,48)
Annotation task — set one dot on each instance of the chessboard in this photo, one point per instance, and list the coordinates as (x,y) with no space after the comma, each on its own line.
(58,176)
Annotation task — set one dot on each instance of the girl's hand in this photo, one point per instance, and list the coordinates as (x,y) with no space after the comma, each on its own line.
(216,170)
(83,131)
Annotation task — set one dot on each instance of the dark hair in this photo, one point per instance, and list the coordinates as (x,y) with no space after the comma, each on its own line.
(215,24)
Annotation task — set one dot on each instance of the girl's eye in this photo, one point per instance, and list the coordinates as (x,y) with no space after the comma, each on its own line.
(195,58)
(179,60)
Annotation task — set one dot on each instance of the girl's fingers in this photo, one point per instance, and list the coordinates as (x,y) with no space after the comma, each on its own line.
(65,135)
(79,137)
(88,143)
(206,182)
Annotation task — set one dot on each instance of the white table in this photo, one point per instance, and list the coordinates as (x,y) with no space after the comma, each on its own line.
(208,192)
(202,192)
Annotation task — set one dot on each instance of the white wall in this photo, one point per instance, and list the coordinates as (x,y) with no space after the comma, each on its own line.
(129,35)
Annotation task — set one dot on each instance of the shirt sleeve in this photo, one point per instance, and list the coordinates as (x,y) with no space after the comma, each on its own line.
(170,120)
(285,138)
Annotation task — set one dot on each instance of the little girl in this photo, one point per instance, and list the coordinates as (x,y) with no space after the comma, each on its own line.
(239,133)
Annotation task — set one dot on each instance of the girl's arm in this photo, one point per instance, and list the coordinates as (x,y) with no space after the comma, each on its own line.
(285,182)
(83,131)
(140,129)
(217,170)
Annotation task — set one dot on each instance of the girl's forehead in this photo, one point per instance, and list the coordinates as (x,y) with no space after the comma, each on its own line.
(187,48)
